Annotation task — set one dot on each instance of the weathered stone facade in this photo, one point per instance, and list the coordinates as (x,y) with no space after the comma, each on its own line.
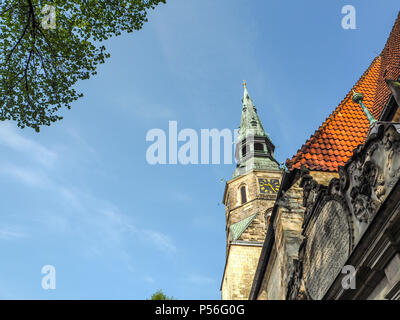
(369,185)
(239,271)
(286,232)
(287,226)
(235,211)
(243,253)
(351,223)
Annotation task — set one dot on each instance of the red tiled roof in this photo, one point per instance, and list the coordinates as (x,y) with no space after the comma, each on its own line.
(347,126)
(390,68)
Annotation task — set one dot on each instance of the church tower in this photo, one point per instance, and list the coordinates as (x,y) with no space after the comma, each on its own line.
(248,198)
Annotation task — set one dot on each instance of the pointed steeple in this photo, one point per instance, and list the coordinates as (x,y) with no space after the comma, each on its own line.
(250,123)
(254,148)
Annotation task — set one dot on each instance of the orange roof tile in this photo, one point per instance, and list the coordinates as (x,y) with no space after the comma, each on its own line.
(347,126)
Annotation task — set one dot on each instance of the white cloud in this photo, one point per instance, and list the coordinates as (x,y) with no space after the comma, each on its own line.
(6,234)
(198,279)
(77,136)
(144,109)
(26,175)
(100,226)
(9,137)
(162,241)
(149,280)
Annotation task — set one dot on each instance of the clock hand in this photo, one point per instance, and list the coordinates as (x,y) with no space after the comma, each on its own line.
(272,187)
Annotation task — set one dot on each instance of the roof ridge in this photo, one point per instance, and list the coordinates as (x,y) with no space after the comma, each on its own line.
(391,34)
(349,95)
(390,68)
(318,132)
(346,127)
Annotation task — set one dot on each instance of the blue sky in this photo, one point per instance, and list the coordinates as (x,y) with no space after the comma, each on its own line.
(81,196)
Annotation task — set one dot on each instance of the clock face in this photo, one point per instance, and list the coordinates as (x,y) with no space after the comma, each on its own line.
(269,186)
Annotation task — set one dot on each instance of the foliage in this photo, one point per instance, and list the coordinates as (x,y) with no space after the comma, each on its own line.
(39,66)
(159,295)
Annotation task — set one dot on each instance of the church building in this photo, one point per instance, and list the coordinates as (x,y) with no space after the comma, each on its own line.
(326,226)
(248,198)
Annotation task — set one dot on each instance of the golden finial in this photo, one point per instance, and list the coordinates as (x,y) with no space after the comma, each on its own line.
(244,83)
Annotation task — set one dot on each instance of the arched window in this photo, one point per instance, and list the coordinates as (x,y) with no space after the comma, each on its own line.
(258,147)
(244,148)
(244,151)
(243,194)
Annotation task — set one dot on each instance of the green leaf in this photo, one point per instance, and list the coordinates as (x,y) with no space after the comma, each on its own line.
(40,67)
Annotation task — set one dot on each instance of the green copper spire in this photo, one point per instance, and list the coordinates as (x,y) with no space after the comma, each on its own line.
(358,98)
(250,123)
(254,148)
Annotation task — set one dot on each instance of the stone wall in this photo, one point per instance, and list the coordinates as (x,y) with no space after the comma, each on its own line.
(243,253)
(353,222)
(239,273)
(326,249)
(235,211)
(287,225)
(288,228)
